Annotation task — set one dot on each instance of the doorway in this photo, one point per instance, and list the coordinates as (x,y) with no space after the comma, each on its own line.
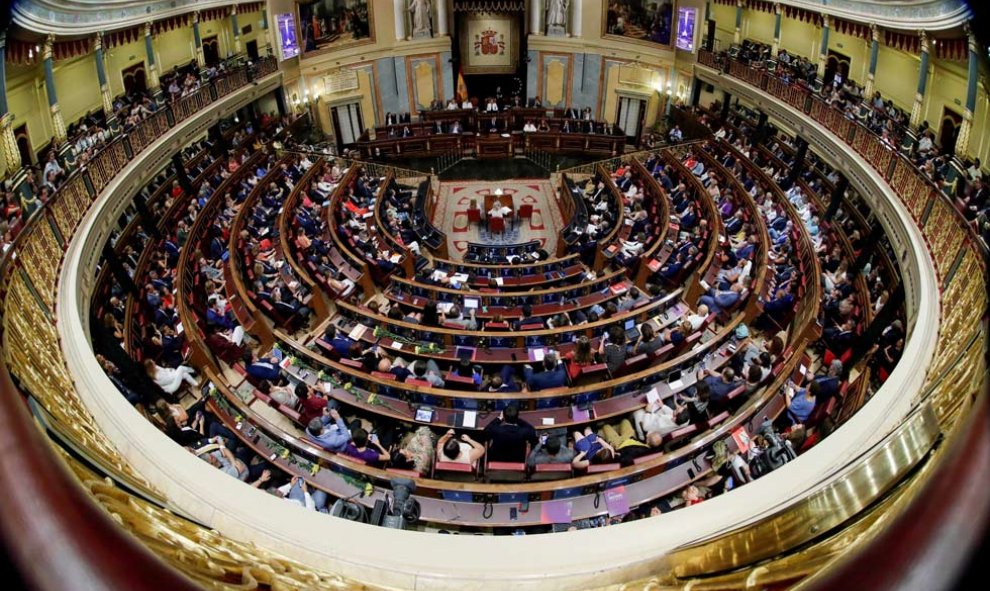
(23,144)
(347,123)
(948,130)
(135,79)
(252,50)
(211,50)
(630,117)
(836,68)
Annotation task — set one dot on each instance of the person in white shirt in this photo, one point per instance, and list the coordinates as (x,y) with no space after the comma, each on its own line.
(658,418)
(925,144)
(529,127)
(452,105)
(492,106)
(467,104)
(698,318)
(498,210)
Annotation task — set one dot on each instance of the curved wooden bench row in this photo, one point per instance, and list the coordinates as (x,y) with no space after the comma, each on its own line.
(808,306)
(367,283)
(761,257)
(716,231)
(286,240)
(511,301)
(649,478)
(187,281)
(235,261)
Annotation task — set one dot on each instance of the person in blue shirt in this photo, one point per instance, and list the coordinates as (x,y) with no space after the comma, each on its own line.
(719,385)
(720,299)
(329,431)
(553,374)
(263,369)
(801,403)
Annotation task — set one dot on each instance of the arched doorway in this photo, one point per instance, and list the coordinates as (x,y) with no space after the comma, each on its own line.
(23,144)
(211,50)
(836,68)
(135,79)
(948,130)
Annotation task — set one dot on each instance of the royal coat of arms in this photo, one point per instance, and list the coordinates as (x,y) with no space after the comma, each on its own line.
(489,43)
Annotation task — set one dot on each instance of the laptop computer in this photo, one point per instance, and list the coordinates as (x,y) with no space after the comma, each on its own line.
(632,331)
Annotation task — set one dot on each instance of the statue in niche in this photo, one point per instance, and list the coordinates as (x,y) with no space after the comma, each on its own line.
(557,17)
(421,22)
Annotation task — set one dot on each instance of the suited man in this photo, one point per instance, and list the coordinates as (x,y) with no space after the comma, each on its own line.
(625,182)
(535,102)
(438,128)
(551,375)
(405,118)
(456,127)
(839,339)
(572,113)
(391,119)
(566,127)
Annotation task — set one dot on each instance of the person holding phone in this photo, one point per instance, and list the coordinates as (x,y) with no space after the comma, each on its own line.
(460,450)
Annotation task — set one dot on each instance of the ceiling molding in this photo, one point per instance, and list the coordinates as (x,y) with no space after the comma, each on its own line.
(930,15)
(68,18)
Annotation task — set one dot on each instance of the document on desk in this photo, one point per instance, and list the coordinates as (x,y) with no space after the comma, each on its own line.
(357,332)
(469,419)
(652,396)
(444,307)
(537,354)
(676,384)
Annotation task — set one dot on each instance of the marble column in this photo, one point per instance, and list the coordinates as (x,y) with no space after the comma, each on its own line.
(441,24)
(874,55)
(200,58)
(10,156)
(576,16)
(101,77)
(962,140)
(58,124)
(149,47)
(823,50)
(919,97)
(399,14)
(235,29)
(776,29)
(737,36)
(536,17)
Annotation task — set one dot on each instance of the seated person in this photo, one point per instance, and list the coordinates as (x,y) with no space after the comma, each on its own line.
(553,374)
(365,448)
(590,449)
(508,436)
(801,403)
(648,342)
(659,418)
(329,431)
(579,357)
(463,450)
(719,385)
(551,451)
(627,447)
(415,451)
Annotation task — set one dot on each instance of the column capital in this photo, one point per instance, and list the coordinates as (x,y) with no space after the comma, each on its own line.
(195,17)
(973,44)
(98,42)
(825,21)
(924,42)
(3,38)
(148,29)
(739,3)
(47,50)
(874,32)
(776,8)
(233,9)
